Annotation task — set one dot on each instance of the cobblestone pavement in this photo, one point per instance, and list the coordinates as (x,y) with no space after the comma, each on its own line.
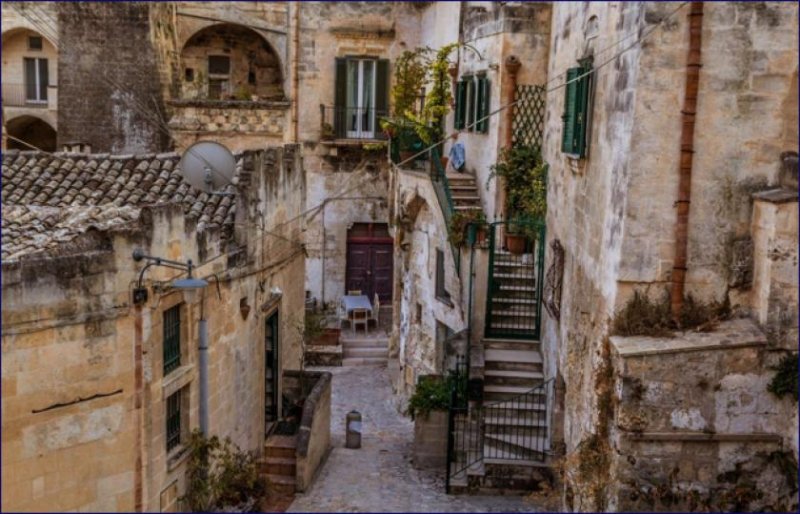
(379,477)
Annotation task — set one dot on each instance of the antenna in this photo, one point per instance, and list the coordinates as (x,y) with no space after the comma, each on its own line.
(208,166)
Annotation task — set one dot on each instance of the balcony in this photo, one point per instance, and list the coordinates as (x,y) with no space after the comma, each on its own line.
(355,125)
(18,95)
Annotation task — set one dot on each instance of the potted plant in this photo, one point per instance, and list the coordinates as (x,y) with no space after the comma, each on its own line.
(525,176)
(428,406)
(461,221)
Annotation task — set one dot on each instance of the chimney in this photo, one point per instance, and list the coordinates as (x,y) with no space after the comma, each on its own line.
(77,147)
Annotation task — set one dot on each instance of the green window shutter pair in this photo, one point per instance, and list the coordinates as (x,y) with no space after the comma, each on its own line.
(340,98)
(382,89)
(576,110)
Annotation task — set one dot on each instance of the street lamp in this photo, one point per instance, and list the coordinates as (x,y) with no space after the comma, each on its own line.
(190,287)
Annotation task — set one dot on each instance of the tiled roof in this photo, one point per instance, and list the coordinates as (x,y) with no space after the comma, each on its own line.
(33,230)
(38,179)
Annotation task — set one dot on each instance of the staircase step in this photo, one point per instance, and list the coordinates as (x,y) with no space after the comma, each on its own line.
(512,355)
(364,361)
(508,389)
(513,314)
(281,446)
(365,343)
(514,287)
(515,276)
(510,460)
(521,406)
(365,352)
(532,375)
(466,207)
(532,443)
(504,263)
(506,421)
(281,484)
(280,466)
(516,301)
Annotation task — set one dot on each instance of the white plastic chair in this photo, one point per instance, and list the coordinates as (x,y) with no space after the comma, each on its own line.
(360,317)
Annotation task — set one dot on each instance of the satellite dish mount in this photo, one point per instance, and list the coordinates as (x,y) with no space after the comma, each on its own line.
(208,166)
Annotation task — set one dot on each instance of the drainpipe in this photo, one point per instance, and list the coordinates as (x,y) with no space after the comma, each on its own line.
(295,74)
(203,365)
(139,387)
(693,64)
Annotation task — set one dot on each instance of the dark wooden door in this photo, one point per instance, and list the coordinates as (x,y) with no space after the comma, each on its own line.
(370,260)
(271,370)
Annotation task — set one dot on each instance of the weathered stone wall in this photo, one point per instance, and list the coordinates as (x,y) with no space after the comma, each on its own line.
(109,88)
(617,234)
(692,414)
(422,231)
(237,125)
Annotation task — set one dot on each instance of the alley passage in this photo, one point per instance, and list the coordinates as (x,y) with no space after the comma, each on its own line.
(379,477)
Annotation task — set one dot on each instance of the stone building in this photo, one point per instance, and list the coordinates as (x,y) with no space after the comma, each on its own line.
(101,388)
(676,413)
(30,75)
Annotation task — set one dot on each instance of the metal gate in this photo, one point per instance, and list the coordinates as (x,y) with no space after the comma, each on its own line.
(516,268)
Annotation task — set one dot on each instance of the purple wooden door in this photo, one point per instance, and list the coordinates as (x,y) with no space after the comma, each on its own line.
(370,261)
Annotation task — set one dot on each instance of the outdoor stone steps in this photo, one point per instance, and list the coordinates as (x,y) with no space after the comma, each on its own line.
(509,459)
(364,343)
(513,287)
(516,444)
(466,207)
(516,313)
(500,373)
(514,300)
(363,351)
(512,356)
(507,389)
(281,446)
(512,366)
(516,421)
(280,484)
(497,343)
(279,466)
(515,276)
(364,361)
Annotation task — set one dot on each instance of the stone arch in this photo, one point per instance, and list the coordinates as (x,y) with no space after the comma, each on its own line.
(21,29)
(253,65)
(31,129)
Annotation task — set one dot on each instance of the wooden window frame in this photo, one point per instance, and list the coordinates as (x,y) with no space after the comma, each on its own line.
(578,95)
(171,338)
(173,410)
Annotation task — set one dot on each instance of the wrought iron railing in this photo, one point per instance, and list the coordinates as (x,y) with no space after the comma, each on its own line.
(514,289)
(351,122)
(19,95)
(506,431)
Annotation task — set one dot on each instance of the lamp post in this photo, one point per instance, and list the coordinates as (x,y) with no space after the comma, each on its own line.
(190,287)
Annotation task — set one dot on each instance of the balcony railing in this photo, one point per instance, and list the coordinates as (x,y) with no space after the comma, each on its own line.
(18,95)
(351,122)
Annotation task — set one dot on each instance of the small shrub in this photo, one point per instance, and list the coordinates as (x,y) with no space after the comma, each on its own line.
(429,395)
(642,316)
(785,380)
(221,476)
(458,225)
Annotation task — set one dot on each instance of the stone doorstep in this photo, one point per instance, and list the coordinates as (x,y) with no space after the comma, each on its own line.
(280,466)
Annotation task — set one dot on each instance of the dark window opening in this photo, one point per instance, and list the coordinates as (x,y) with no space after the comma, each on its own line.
(189,75)
(251,78)
(172,339)
(174,420)
(35,43)
(441,291)
(219,65)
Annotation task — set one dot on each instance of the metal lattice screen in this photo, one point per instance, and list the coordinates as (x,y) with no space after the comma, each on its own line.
(529,115)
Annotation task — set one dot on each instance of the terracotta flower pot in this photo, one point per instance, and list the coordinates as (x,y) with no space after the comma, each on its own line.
(515,243)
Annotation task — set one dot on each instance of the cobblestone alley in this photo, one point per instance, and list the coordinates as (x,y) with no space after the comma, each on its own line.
(379,476)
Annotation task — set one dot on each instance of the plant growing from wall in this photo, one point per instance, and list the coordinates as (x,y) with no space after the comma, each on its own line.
(410,75)
(221,476)
(785,380)
(459,223)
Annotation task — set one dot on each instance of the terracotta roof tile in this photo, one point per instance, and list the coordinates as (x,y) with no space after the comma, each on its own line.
(92,188)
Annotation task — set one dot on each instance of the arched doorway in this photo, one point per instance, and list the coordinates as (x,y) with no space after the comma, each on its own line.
(230,62)
(32,130)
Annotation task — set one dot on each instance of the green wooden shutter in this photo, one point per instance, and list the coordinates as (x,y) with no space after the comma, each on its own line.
(570,100)
(340,98)
(484,85)
(469,104)
(461,100)
(582,109)
(382,90)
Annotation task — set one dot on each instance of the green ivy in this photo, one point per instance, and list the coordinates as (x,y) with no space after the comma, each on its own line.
(785,380)
(459,223)
(410,72)
(525,175)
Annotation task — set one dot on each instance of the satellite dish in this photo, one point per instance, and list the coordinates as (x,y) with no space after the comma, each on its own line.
(208,166)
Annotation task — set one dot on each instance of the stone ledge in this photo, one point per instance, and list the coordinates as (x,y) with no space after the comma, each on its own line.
(781,195)
(176,380)
(231,104)
(703,436)
(736,333)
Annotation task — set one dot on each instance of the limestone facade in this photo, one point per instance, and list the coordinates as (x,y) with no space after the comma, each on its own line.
(84,381)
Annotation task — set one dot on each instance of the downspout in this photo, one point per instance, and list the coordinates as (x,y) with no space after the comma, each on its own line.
(138,372)
(296,74)
(324,239)
(693,64)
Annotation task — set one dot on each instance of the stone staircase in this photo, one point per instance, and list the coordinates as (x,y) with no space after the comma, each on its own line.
(513,308)
(364,349)
(464,192)
(279,465)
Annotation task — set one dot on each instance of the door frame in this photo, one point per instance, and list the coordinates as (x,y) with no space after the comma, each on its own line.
(272,326)
(368,240)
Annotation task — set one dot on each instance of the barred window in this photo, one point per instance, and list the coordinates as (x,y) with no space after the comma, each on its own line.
(172,339)
(173,420)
